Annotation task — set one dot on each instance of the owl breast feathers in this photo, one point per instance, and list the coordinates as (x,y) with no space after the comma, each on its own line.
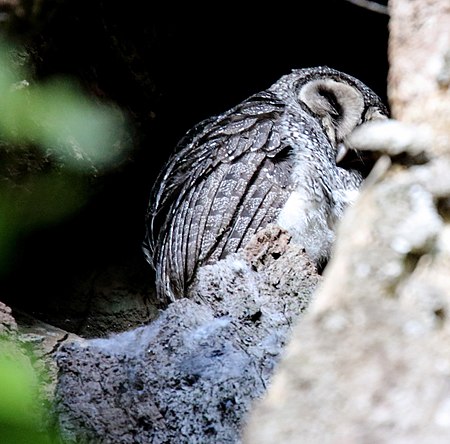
(274,158)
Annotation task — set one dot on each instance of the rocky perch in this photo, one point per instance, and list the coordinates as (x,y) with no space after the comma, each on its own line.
(192,374)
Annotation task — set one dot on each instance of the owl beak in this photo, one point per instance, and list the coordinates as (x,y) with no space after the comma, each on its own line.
(341,152)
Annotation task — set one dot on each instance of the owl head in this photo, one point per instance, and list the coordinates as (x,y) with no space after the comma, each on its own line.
(337,100)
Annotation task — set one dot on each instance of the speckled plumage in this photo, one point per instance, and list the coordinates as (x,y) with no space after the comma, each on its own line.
(272,158)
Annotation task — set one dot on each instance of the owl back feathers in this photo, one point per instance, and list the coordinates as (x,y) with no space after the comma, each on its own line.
(230,176)
(219,189)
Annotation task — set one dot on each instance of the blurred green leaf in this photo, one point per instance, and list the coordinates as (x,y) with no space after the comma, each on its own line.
(9,73)
(82,134)
(20,409)
(16,383)
(58,115)
(74,131)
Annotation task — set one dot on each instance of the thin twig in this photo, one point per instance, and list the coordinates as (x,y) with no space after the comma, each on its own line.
(371,6)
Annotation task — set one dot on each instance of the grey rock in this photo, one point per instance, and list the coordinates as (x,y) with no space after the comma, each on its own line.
(191,375)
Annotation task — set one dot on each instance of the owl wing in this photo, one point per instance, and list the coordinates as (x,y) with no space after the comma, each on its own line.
(229,177)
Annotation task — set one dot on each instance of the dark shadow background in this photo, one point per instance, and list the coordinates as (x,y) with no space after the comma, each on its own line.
(168,67)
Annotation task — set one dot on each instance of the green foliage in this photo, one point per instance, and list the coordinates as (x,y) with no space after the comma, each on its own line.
(21,412)
(71,130)
(57,115)
(75,137)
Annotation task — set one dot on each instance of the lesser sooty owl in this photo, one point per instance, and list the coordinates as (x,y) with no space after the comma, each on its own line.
(277,157)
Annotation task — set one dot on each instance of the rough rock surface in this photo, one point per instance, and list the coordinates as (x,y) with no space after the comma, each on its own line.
(42,341)
(29,346)
(370,361)
(111,299)
(419,73)
(7,322)
(190,376)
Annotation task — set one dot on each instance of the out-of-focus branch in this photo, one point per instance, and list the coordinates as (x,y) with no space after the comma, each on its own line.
(371,6)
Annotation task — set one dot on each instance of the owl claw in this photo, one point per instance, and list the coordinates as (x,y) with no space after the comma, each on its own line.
(341,152)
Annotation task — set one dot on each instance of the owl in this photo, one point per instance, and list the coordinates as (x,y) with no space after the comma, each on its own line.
(277,157)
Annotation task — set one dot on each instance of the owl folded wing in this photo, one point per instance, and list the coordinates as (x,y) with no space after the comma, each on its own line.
(230,179)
